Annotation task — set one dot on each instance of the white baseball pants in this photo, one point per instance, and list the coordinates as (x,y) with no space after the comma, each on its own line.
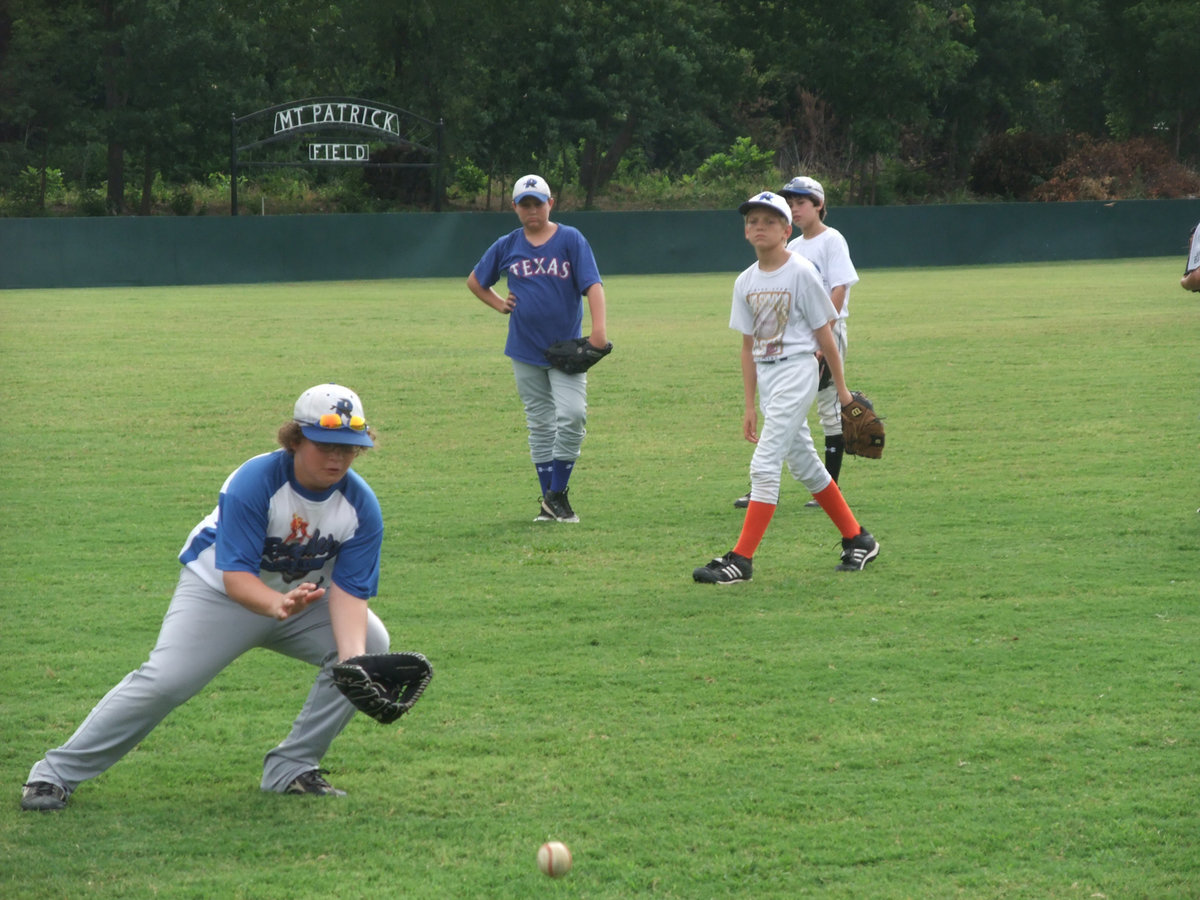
(786,391)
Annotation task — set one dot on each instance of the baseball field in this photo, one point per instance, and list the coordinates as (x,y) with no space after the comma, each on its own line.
(1005,704)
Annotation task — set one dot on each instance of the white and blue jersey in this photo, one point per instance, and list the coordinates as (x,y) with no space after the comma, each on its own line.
(265,523)
(548,282)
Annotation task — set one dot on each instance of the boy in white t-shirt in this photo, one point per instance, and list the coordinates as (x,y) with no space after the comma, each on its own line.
(785,316)
(825,248)
(828,251)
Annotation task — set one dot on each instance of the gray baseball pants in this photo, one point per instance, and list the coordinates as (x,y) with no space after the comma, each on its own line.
(555,411)
(202,633)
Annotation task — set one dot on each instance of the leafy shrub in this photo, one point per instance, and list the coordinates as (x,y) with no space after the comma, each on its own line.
(182,202)
(1119,170)
(1012,165)
(93,201)
(27,198)
(469,179)
(743,159)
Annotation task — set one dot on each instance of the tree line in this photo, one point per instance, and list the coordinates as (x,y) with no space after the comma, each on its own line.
(895,99)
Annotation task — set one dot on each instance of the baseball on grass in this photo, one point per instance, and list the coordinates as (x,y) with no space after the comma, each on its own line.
(554,859)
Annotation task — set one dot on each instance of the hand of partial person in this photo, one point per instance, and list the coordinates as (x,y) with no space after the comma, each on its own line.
(750,427)
(297,599)
(509,304)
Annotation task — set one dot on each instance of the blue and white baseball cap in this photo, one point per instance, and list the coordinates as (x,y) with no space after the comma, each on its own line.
(332,414)
(531,186)
(803,186)
(771,201)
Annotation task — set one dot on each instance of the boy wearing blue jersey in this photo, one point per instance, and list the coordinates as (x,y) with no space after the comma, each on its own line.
(548,268)
(287,560)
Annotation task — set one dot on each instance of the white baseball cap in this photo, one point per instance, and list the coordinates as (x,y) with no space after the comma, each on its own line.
(803,186)
(531,186)
(332,414)
(770,201)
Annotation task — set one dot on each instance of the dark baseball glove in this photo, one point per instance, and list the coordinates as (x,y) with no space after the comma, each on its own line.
(383,685)
(575,355)
(862,430)
(824,375)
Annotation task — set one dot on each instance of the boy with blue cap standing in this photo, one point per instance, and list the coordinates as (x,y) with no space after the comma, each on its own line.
(548,267)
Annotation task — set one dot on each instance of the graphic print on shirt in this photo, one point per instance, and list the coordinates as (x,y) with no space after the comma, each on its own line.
(300,553)
(535,266)
(299,530)
(770,309)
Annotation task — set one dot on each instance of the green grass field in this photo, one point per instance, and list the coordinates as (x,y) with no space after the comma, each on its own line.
(1003,705)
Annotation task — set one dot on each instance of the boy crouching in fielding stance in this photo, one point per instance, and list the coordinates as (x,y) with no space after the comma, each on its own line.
(288,561)
(784,314)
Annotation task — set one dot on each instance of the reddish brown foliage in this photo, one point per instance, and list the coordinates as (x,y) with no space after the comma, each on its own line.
(1108,170)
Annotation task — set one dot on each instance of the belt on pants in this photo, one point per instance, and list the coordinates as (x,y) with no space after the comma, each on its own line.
(771,362)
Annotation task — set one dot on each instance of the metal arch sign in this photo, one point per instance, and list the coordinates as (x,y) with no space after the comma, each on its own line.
(343,112)
(315,119)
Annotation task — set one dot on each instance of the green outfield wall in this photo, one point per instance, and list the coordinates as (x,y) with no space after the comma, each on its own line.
(89,252)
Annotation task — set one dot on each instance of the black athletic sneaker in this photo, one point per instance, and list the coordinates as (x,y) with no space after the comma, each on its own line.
(743,501)
(44,796)
(312,782)
(728,569)
(857,552)
(544,515)
(557,505)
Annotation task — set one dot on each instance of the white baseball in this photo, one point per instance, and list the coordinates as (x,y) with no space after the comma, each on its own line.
(554,859)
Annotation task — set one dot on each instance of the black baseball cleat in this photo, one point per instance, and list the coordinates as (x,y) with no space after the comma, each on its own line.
(857,552)
(43,796)
(556,504)
(743,501)
(312,782)
(728,569)
(543,514)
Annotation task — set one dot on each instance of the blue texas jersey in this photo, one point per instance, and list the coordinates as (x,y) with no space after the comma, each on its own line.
(548,282)
(267,524)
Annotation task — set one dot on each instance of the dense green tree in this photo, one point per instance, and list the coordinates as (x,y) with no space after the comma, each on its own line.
(1033,71)
(579,84)
(48,90)
(860,75)
(168,69)
(1154,86)
(586,89)
(632,72)
(149,78)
